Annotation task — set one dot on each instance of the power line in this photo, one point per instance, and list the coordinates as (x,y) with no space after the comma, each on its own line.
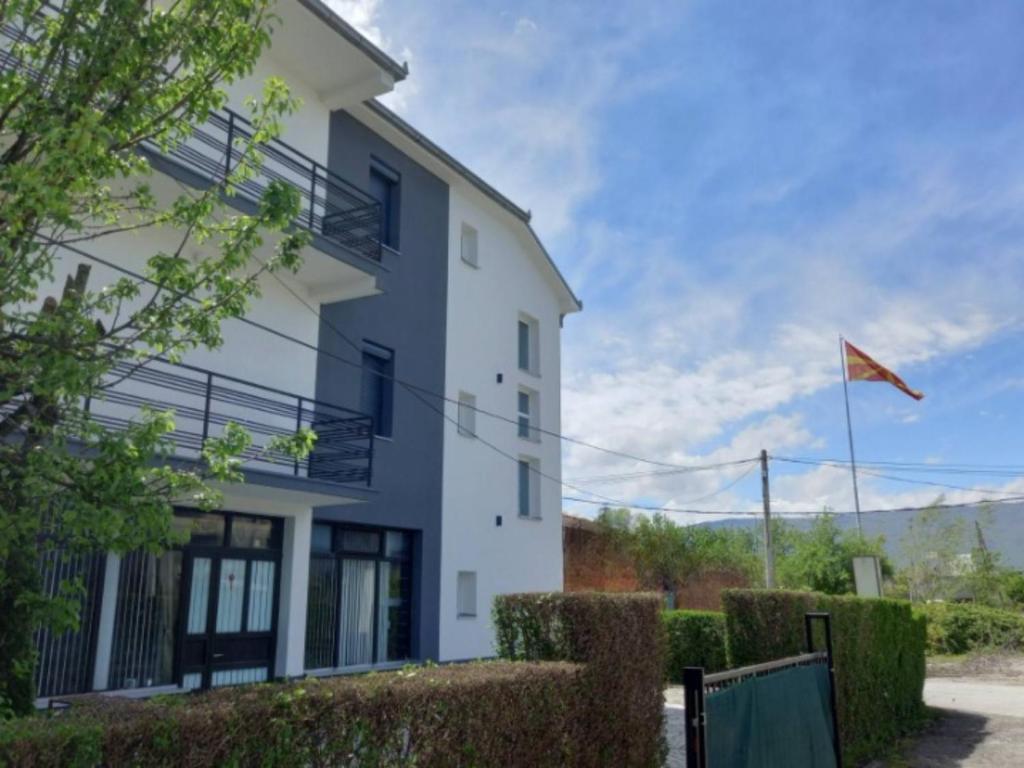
(345,361)
(809,513)
(626,476)
(914,481)
(955,468)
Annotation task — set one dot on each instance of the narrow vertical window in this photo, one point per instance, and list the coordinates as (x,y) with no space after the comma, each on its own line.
(529,345)
(465,594)
(378,387)
(529,488)
(524,345)
(384,188)
(467,414)
(528,414)
(468,246)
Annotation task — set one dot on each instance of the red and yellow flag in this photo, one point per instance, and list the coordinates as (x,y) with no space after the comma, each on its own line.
(860,367)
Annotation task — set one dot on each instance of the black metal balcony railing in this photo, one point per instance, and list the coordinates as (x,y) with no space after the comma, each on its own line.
(331,206)
(204,402)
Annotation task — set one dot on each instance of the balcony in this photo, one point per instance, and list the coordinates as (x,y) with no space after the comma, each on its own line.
(204,402)
(332,208)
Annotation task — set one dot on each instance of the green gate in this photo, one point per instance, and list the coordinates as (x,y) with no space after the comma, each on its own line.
(780,713)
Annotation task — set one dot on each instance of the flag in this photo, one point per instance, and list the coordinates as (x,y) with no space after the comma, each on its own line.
(860,367)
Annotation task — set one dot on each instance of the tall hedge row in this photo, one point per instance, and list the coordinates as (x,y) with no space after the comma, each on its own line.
(619,641)
(485,714)
(879,652)
(695,639)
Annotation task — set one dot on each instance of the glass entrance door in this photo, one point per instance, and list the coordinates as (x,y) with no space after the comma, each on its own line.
(229,605)
(229,620)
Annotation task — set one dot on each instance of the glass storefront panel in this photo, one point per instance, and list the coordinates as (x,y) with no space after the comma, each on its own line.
(252,532)
(230,596)
(358,609)
(357,604)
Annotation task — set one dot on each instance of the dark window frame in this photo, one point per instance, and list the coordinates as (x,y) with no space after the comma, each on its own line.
(386,188)
(377,396)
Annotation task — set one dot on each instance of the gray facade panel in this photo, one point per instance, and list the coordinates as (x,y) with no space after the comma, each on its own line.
(408,318)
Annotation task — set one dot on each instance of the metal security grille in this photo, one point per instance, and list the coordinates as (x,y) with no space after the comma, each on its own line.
(145,619)
(322,613)
(65,659)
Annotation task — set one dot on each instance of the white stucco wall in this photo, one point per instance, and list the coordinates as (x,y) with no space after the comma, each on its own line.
(484,305)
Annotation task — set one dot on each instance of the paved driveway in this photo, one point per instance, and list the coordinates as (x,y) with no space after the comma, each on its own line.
(981,724)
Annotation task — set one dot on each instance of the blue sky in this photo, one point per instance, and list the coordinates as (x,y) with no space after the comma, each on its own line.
(729,186)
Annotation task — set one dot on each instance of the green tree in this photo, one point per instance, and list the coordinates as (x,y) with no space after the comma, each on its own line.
(821,558)
(666,555)
(933,548)
(84,87)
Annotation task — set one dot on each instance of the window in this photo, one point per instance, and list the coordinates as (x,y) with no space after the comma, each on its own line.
(384,188)
(378,387)
(467,414)
(529,352)
(529,488)
(528,413)
(359,608)
(468,246)
(465,594)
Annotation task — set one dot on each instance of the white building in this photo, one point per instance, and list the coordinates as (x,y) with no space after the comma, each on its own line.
(391,541)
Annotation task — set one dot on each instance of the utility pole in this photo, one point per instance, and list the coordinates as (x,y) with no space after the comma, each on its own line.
(769,552)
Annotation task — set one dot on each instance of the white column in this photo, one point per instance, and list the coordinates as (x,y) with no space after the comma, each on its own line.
(105,632)
(291,625)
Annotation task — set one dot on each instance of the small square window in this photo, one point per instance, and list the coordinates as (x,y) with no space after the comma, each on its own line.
(468,246)
(467,414)
(529,488)
(529,345)
(465,594)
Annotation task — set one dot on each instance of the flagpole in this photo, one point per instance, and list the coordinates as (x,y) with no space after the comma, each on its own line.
(849,433)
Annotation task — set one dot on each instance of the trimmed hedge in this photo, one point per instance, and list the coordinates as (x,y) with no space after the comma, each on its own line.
(482,714)
(619,640)
(961,628)
(879,652)
(695,639)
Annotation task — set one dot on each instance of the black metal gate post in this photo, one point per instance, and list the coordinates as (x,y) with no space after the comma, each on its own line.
(826,619)
(696,723)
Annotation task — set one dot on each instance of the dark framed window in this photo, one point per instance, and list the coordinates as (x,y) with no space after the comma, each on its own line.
(385,187)
(359,607)
(378,387)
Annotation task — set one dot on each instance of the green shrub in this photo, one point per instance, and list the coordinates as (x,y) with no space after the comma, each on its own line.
(695,639)
(961,628)
(619,640)
(484,714)
(879,654)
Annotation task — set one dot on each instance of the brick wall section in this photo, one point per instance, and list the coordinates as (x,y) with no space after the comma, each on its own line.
(593,564)
(704,591)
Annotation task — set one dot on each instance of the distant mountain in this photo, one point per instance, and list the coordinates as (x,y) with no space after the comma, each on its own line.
(1004,532)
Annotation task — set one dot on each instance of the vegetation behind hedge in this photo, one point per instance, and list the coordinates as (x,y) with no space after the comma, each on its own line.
(961,628)
(484,714)
(619,639)
(879,652)
(695,639)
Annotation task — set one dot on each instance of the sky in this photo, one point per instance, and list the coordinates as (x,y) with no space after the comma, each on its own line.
(729,186)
